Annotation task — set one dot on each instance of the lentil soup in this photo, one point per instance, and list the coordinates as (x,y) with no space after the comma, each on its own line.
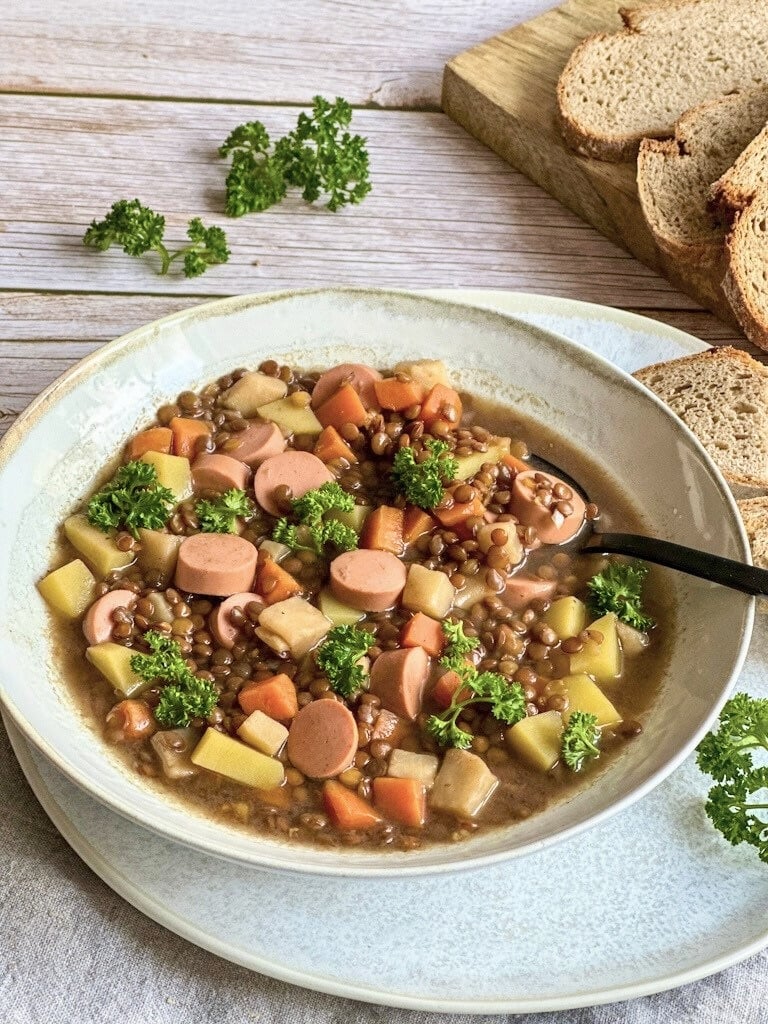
(382,633)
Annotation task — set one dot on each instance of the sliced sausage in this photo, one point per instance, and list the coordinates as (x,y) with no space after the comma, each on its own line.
(521,590)
(258,442)
(362,378)
(552,525)
(322,739)
(98,621)
(219,473)
(368,580)
(216,564)
(299,471)
(219,622)
(398,678)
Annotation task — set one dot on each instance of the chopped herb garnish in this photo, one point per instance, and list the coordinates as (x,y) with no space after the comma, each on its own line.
(618,589)
(132,500)
(313,533)
(339,657)
(184,697)
(220,515)
(422,482)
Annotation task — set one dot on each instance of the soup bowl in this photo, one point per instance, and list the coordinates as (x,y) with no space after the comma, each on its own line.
(50,455)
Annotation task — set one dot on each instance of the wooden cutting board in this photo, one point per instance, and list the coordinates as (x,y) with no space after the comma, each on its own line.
(503,93)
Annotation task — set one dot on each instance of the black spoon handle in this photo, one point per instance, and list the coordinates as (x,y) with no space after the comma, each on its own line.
(736,575)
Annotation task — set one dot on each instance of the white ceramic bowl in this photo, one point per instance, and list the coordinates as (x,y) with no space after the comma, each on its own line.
(50,455)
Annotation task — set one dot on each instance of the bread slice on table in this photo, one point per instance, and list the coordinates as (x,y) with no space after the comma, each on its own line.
(722,396)
(754,515)
(739,183)
(618,88)
(674,176)
(746,278)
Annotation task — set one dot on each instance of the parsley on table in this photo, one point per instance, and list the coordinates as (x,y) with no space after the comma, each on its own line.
(733,804)
(421,483)
(619,589)
(220,514)
(313,532)
(580,740)
(319,156)
(133,499)
(184,697)
(339,657)
(138,230)
(506,701)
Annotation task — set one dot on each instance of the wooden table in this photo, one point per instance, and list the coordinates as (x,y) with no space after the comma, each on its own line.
(100,101)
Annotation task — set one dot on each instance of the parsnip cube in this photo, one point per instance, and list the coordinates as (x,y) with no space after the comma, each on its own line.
(603,661)
(69,590)
(567,617)
(159,553)
(475,589)
(252,391)
(97,548)
(263,733)
(114,662)
(463,784)
(426,372)
(633,641)
(225,755)
(585,695)
(353,519)
(277,643)
(339,614)
(296,623)
(291,418)
(404,764)
(162,610)
(537,739)
(511,547)
(173,748)
(276,550)
(428,591)
(173,472)
(470,464)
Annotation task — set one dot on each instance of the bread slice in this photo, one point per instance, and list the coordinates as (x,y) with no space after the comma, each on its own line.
(738,185)
(754,515)
(621,87)
(746,278)
(674,176)
(722,395)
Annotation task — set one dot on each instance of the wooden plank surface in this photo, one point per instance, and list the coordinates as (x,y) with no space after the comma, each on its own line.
(503,91)
(385,54)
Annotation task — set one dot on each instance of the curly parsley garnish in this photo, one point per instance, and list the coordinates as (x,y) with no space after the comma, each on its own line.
(220,515)
(132,500)
(506,701)
(422,482)
(313,533)
(339,657)
(619,589)
(580,740)
(138,230)
(458,646)
(184,697)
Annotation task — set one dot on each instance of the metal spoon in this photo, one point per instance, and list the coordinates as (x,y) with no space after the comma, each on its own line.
(725,571)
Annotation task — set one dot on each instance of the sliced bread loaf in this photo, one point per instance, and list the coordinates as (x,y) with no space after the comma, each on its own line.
(722,395)
(674,175)
(619,88)
(746,277)
(754,513)
(738,185)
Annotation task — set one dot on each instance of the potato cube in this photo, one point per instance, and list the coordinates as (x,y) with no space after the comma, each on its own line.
(567,617)
(162,610)
(428,591)
(470,464)
(426,372)
(252,391)
(69,590)
(463,784)
(603,661)
(585,695)
(511,547)
(339,614)
(296,623)
(114,662)
(354,519)
(475,589)
(275,550)
(97,548)
(291,418)
(404,764)
(173,472)
(225,755)
(263,733)
(159,553)
(537,739)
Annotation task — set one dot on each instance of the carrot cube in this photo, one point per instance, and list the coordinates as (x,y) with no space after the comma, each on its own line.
(274,697)
(401,800)
(383,530)
(442,403)
(344,406)
(346,809)
(460,511)
(398,394)
(156,439)
(186,433)
(273,583)
(331,445)
(416,522)
(423,631)
(446,686)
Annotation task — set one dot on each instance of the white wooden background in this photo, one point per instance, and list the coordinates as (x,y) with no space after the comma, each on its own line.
(104,99)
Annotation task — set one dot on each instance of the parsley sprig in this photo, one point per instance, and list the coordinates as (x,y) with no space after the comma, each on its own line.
(733,804)
(132,500)
(421,482)
(581,740)
(458,646)
(184,697)
(220,514)
(506,701)
(137,230)
(619,589)
(320,156)
(339,657)
(313,532)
